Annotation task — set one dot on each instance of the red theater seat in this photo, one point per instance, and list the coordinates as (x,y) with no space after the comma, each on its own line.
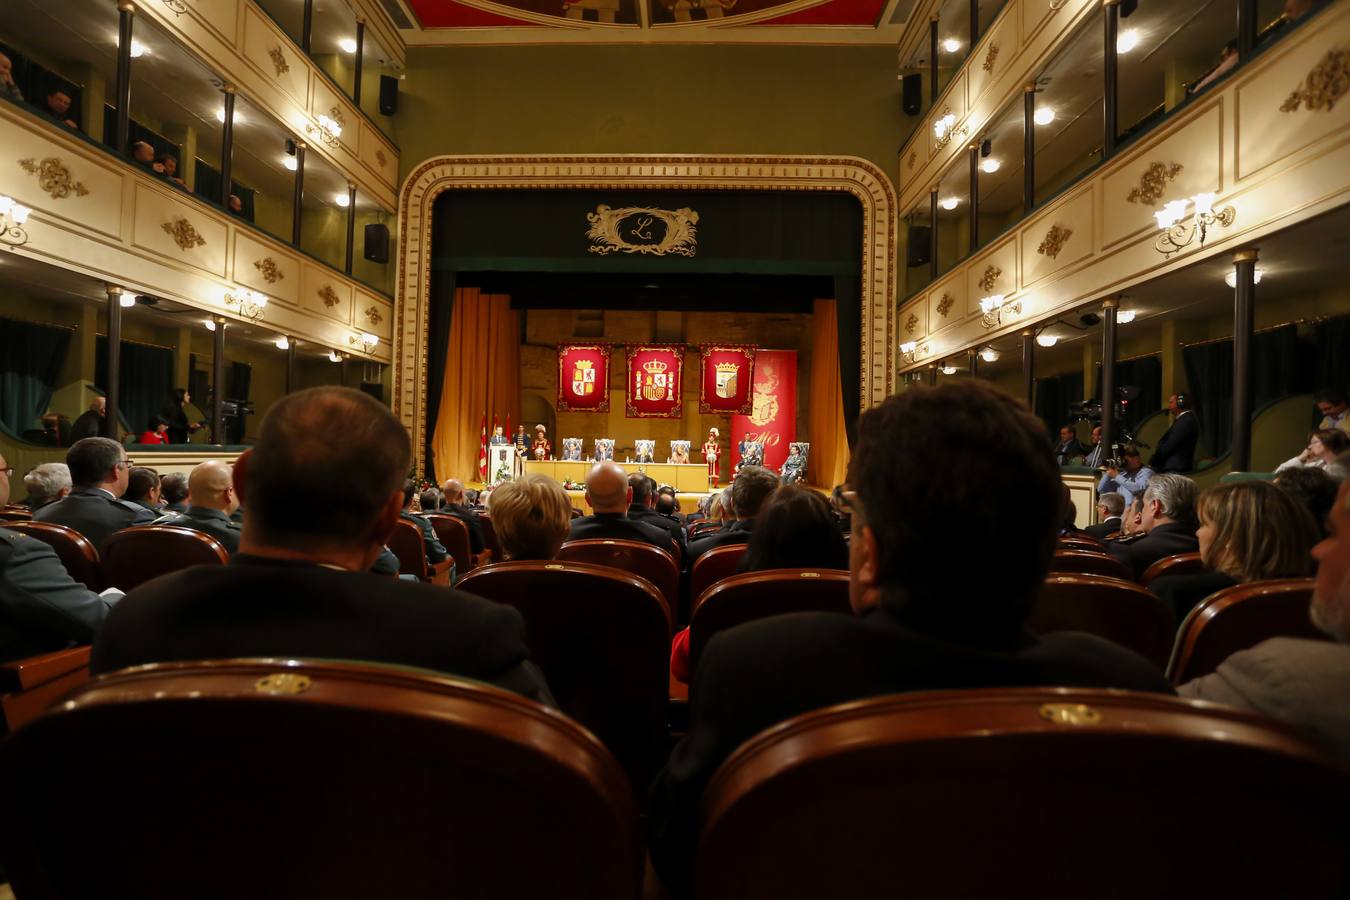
(75,551)
(713,566)
(133,556)
(1112,608)
(406,542)
(637,558)
(29,686)
(454,535)
(1086,562)
(1180,564)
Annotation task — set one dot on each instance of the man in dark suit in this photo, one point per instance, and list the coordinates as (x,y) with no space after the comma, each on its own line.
(643,509)
(1168,523)
(211,503)
(173,491)
(90,422)
(1069,452)
(749,492)
(930,612)
(435,550)
(143,489)
(1176,450)
(299,585)
(609,495)
(1110,509)
(454,505)
(99,471)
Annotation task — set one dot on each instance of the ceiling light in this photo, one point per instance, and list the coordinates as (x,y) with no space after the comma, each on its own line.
(334,356)
(210,325)
(138,49)
(290,163)
(220,116)
(348,45)
(1127,41)
(1231,278)
(990,165)
(342,200)
(951,203)
(989,354)
(991,303)
(951,45)
(1125,316)
(949,370)
(126,300)
(1047,340)
(282,343)
(1043,116)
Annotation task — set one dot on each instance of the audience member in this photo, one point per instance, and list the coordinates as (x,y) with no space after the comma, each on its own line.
(211,501)
(642,508)
(1313,489)
(1249,531)
(235,205)
(1324,446)
(1228,60)
(90,422)
(56,429)
(1131,523)
(435,550)
(1300,681)
(143,489)
(1167,520)
(1096,454)
(175,413)
(157,433)
(41,608)
(843,516)
(144,154)
(531,515)
(1069,452)
(1335,409)
(454,504)
(299,585)
(46,483)
(8,89)
(1068,515)
(173,491)
(429,501)
(99,471)
(1130,482)
(167,165)
(58,105)
(667,505)
(752,487)
(1110,512)
(1176,450)
(926,617)
(609,495)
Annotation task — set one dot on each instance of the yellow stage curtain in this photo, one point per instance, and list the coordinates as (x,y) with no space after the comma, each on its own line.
(482,377)
(828,463)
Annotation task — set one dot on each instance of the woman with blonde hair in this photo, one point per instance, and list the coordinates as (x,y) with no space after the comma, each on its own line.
(532,517)
(1249,531)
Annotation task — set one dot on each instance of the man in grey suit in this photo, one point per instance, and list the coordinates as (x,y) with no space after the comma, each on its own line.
(1300,681)
(99,470)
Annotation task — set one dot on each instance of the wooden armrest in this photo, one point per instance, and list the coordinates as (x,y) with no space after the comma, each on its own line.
(439,573)
(25,674)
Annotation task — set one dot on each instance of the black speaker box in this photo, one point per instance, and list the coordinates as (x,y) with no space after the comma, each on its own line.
(917,245)
(388,95)
(911,94)
(377,243)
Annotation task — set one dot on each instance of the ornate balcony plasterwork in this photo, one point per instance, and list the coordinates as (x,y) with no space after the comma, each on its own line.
(1153,183)
(1054,240)
(53,177)
(269,269)
(183,234)
(1327,83)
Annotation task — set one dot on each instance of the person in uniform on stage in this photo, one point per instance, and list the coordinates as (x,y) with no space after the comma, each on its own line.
(521,440)
(542,448)
(711,451)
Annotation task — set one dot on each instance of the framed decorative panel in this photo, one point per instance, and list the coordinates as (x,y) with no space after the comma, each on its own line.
(655,381)
(727,377)
(583,377)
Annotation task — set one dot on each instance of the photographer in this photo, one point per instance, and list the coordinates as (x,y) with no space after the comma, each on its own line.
(1127,476)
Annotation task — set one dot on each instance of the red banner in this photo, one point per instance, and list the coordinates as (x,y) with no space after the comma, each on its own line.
(655,382)
(728,373)
(773,416)
(583,378)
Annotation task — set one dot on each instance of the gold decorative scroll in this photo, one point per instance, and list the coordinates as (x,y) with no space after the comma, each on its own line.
(373,315)
(177,7)
(335,114)
(381,158)
(911,323)
(278,60)
(945,304)
(329,296)
(183,234)
(1323,86)
(53,177)
(1054,241)
(1153,183)
(913,158)
(271,272)
(990,277)
(990,57)
(647,230)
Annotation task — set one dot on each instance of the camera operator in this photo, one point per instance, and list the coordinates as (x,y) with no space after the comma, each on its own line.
(1127,476)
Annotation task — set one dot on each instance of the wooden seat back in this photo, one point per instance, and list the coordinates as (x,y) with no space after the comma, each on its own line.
(1238,618)
(133,556)
(16,514)
(713,566)
(489,535)
(1178,564)
(454,534)
(960,794)
(1081,542)
(284,779)
(703,528)
(644,560)
(29,686)
(74,550)
(1118,610)
(1087,562)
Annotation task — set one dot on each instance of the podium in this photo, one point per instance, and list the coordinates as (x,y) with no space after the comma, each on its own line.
(501,463)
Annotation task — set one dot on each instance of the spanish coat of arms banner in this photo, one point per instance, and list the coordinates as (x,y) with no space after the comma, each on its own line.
(655,382)
(728,374)
(583,378)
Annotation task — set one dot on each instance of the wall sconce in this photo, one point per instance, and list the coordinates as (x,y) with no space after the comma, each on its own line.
(248,304)
(334,356)
(328,130)
(364,341)
(911,351)
(1177,236)
(944,129)
(1125,316)
(996,309)
(12,217)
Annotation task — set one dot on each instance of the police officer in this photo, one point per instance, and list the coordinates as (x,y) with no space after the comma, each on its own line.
(99,472)
(211,501)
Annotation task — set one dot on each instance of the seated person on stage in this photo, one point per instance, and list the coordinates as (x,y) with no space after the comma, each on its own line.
(753,486)
(679,453)
(1167,524)
(1110,509)
(435,550)
(454,505)
(609,495)
(211,501)
(42,609)
(99,470)
(1313,489)
(1324,446)
(299,585)
(173,491)
(1298,680)
(794,467)
(1128,482)
(1249,531)
(644,451)
(532,515)
(46,484)
(932,613)
(143,489)
(643,509)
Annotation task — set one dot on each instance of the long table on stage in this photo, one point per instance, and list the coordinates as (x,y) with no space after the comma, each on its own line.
(691,478)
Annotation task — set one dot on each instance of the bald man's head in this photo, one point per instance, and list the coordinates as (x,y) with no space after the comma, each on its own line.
(211,485)
(607,488)
(453,490)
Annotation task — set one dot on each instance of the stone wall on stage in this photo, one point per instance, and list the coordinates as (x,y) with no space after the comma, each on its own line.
(545,328)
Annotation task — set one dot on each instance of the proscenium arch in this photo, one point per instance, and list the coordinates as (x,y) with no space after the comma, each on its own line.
(429,179)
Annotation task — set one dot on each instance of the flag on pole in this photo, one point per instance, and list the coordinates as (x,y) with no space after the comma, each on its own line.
(509,435)
(482,452)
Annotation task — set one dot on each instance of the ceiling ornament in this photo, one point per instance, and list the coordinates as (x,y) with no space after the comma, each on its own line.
(945,304)
(183,234)
(1153,183)
(990,277)
(990,57)
(271,272)
(1323,86)
(53,177)
(1054,241)
(278,60)
(329,296)
(646,230)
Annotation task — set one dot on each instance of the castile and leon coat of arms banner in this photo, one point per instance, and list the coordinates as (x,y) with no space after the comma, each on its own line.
(583,378)
(773,416)
(728,373)
(655,381)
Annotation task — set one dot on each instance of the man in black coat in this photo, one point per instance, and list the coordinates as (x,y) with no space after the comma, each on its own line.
(930,612)
(99,471)
(1110,509)
(454,505)
(642,508)
(298,586)
(608,495)
(1176,450)
(749,492)
(90,422)
(1168,523)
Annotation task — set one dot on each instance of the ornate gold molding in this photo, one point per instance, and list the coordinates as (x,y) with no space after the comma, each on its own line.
(329,296)
(913,158)
(381,158)
(643,229)
(271,272)
(1153,183)
(1323,86)
(278,60)
(335,113)
(373,316)
(990,277)
(1054,241)
(183,234)
(911,323)
(53,177)
(945,304)
(177,7)
(990,57)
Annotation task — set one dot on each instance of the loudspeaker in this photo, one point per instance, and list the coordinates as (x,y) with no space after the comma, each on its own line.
(377,243)
(917,245)
(374,389)
(388,95)
(911,94)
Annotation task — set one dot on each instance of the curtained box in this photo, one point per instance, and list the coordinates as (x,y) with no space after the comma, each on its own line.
(690,478)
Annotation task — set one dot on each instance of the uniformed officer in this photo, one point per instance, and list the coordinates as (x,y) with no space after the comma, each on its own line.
(99,471)
(436,551)
(211,500)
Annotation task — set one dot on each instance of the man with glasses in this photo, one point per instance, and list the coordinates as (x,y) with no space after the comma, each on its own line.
(99,472)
